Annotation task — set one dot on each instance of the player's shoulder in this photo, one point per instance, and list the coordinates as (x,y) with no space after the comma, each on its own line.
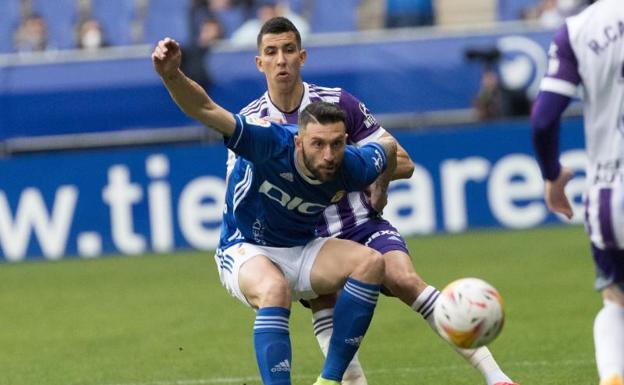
(317,89)
(590,17)
(335,95)
(255,107)
(371,149)
(326,94)
(251,120)
(362,162)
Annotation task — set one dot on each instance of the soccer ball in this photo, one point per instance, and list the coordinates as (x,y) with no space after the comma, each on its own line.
(469,313)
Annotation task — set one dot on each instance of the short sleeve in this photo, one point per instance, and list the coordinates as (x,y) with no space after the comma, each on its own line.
(364,164)
(562,76)
(362,127)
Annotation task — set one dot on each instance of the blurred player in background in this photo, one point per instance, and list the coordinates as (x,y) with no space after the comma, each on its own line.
(589,50)
(357,216)
(269,253)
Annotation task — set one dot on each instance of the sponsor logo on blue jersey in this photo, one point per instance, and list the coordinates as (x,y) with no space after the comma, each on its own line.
(289,202)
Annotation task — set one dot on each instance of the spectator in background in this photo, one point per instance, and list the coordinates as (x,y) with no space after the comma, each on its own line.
(409,13)
(205,34)
(228,13)
(32,35)
(90,35)
(489,99)
(500,94)
(267,9)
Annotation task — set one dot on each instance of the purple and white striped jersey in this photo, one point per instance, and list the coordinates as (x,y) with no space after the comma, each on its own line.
(362,128)
(589,50)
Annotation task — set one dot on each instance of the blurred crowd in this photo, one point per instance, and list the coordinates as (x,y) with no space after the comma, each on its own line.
(38,25)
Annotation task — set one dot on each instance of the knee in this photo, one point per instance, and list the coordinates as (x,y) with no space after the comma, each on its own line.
(373,263)
(274,292)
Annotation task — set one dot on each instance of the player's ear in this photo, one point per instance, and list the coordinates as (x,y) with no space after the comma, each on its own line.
(303,56)
(298,141)
(259,63)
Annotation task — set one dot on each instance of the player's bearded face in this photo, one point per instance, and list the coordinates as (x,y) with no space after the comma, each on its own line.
(322,153)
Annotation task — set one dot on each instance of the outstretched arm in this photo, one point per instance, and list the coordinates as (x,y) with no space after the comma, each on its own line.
(188,95)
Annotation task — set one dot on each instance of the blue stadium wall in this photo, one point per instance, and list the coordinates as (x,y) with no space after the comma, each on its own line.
(391,73)
(166,198)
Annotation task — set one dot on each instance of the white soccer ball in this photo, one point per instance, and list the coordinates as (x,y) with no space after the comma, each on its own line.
(469,313)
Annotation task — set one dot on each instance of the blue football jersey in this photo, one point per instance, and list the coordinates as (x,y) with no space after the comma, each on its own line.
(269,201)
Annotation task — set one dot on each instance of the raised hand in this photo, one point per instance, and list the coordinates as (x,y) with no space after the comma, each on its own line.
(167,57)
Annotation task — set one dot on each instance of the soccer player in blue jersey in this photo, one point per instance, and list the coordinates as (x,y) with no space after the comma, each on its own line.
(282,182)
(589,50)
(355,217)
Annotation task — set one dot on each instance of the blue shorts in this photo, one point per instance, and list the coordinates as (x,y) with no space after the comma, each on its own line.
(609,267)
(378,234)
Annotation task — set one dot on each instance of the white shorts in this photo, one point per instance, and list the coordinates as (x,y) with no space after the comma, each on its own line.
(295,262)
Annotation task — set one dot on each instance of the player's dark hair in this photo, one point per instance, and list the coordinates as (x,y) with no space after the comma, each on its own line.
(277,25)
(321,113)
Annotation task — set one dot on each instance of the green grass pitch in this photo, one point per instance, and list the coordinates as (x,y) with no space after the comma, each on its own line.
(166,320)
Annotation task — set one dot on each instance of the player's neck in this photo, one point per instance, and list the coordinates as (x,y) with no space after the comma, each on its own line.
(301,167)
(287,100)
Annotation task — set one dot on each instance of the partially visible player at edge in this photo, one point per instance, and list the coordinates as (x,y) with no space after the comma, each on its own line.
(589,50)
(356,217)
(269,253)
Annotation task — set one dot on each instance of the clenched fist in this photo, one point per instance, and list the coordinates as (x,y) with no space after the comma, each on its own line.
(167,57)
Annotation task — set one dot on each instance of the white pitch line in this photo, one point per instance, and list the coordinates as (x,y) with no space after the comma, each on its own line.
(417,369)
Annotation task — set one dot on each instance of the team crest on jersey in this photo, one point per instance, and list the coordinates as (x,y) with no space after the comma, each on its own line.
(339,195)
(257,121)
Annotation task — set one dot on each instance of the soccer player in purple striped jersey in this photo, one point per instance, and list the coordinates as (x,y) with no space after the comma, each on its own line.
(357,216)
(588,50)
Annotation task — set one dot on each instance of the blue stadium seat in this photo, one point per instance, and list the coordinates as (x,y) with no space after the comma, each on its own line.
(167,18)
(512,9)
(116,18)
(334,16)
(10,11)
(297,6)
(61,17)
(230,19)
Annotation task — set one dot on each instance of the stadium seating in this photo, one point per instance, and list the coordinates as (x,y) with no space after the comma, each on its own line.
(61,17)
(297,6)
(167,18)
(116,17)
(9,9)
(333,16)
(230,19)
(512,9)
